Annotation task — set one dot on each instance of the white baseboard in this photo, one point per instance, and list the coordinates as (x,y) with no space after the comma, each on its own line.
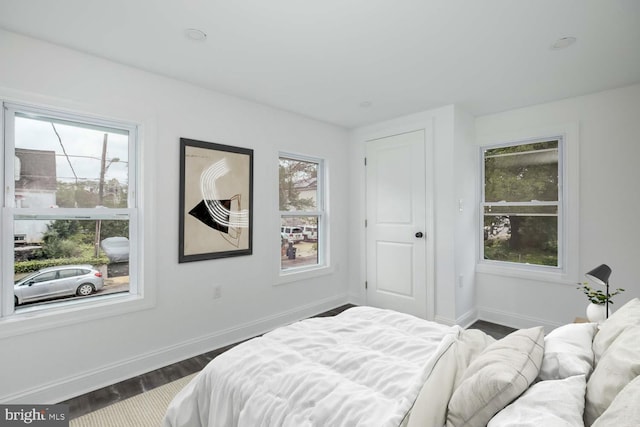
(66,388)
(356,299)
(464,321)
(468,318)
(444,320)
(514,320)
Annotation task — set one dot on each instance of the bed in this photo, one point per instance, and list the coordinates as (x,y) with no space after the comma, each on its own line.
(375,367)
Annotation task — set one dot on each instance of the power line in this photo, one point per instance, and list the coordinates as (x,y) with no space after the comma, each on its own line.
(64,151)
(88,157)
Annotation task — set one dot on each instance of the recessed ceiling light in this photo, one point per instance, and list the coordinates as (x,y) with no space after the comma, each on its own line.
(366,104)
(195,34)
(563,42)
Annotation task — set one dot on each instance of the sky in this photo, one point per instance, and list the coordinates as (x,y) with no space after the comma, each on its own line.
(77,141)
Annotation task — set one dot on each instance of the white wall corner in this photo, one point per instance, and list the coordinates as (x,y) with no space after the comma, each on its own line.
(467,319)
(356,299)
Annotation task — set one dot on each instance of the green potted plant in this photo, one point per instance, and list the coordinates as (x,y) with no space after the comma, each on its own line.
(596,311)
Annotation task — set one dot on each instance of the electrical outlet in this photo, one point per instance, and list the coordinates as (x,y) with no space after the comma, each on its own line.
(217,292)
(460,281)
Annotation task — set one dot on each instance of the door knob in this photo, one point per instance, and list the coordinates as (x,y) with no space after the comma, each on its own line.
(419,234)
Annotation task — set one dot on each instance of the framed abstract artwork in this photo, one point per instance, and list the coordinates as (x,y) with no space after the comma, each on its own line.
(216,201)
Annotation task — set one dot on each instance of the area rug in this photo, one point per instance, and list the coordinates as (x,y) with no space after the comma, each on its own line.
(143,410)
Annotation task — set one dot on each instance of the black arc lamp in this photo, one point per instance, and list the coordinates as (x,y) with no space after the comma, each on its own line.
(600,275)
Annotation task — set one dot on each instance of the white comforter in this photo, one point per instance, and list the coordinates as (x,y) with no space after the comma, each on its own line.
(364,367)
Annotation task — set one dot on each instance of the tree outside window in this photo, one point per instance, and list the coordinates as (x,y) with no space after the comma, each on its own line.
(522,203)
(301,212)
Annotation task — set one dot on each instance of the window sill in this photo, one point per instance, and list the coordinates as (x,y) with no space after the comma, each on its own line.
(540,274)
(72,312)
(303,274)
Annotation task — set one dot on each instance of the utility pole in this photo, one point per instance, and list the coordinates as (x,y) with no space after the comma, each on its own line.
(103,162)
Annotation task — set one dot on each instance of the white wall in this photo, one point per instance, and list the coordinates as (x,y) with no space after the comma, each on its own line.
(455,186)
(55,364)
(609,202)
(465,170)
(607,126)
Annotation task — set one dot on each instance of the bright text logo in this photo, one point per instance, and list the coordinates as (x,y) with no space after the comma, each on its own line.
(34,415)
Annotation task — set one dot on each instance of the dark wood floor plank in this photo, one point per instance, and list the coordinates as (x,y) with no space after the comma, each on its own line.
(153,379)
(493,329)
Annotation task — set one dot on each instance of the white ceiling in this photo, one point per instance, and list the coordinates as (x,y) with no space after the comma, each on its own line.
(324,58)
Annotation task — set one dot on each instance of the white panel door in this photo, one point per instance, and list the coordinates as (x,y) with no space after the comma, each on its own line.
(396,223)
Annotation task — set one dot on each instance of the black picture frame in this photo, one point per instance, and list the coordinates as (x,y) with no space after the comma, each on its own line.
(216,201)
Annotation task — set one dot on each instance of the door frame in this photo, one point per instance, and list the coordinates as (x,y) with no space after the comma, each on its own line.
(363,138)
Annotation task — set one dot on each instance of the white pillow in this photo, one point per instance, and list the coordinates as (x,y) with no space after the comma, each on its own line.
(624,411)
(554,403)
(430,407)
(497,376)
(567,351)
(619,365)
(626,316)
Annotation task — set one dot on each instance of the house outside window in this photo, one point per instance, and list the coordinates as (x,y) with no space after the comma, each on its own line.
(69,194)
(522,204)
(302,213)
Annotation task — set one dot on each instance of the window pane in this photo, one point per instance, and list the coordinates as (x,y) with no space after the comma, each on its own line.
(496,210)
(71,165)
(521,238)
(522,173)
(77,263)
(298,185)
(69,272)
(45,277)
(298,242)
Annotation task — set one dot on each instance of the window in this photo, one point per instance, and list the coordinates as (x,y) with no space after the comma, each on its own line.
(68,186)
(522,203)
(302,214)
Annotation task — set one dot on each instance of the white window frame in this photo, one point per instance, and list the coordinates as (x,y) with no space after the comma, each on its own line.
(60,313)
(568,227)
(323,265)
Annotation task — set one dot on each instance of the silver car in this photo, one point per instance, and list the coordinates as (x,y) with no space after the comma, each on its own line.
(53,282)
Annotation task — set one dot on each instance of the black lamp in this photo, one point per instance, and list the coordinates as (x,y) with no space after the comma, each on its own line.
(601,275)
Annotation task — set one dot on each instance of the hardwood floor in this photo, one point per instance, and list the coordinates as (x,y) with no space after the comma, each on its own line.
(493,329)
(106,396)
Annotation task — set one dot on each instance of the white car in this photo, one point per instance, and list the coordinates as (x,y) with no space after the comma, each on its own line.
(53,282)
(293,234)
(310,232)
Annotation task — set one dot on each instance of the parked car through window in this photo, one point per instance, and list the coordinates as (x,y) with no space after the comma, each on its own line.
(54,282)
(292,234)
